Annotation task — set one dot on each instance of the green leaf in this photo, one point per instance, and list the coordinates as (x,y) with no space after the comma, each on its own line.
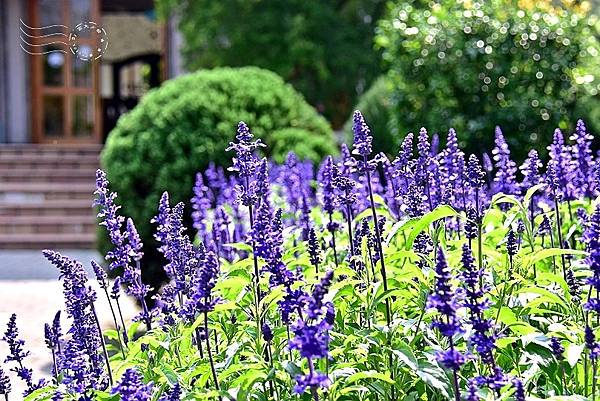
(537,256)
(573,353)
(369,374)
(440,212)
(532,191)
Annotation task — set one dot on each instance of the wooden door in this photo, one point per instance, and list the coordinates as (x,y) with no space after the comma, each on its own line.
(64,87)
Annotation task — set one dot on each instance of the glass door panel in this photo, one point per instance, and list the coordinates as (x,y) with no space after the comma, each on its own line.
(65,87)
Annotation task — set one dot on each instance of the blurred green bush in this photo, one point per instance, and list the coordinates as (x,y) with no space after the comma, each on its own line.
(179,128)
(527,66)
(376,106)
(323,48)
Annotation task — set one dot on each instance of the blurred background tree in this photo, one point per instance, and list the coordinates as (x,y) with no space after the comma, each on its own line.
(527,66)
(324,48)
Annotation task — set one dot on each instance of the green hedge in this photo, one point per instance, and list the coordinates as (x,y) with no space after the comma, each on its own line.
(177,129)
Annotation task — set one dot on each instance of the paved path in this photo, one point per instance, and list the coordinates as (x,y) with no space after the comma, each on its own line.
(30,288)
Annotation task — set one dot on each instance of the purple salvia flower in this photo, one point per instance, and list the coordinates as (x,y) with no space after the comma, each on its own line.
(314,251)
(583,163)
(591,344)
(18,355)
(218,184)
(555,189)
(327,175)
(201,300)
(261,231)
(472,391)
(110,218)
(132,388)
(174,394)
(561,160)
(512,246)
(101,275)
(423,164)
(4,384)
(362,135)
(82,363)
(475,176)
(483,337)
(136,245)
(267,333)
(545,227)
(591,238)
(115,291)
(445,300)
(201,204)
(435,145)
(505,179)
(347,164)
(519,390)
(244,162)
(262,180)
(311,335)
(556,348)
(161,220)
(531,170)
(471,223)
(413,203)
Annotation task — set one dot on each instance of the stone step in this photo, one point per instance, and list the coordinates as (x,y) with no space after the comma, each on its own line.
(29,149)
(47,224)
(15,161)
(83,174)
(47,241)
(36,191)
(57,207)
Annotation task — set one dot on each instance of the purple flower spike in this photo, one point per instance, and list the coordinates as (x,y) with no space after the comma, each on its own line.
(505,180)
(174,394)
(444,299)
(519,390)
(362,135)
(475,175)
(267,333)
(531,170)
(591,344)
(4,383)
(511,243)
(132,388)
(556,348)
(583,162)
(244,162)
(201,204)
(314,250)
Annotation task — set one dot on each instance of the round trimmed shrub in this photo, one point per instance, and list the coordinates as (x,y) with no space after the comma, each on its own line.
(177,129)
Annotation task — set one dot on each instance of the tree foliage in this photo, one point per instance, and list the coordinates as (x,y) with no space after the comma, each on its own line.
(324,48)
(470,65)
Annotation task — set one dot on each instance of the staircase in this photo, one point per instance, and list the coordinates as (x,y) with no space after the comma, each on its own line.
(46,194)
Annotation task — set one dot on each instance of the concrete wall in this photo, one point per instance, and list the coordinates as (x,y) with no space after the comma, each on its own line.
(15,111)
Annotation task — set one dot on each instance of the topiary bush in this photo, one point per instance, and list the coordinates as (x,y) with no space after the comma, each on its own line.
(178,128)
(471,65)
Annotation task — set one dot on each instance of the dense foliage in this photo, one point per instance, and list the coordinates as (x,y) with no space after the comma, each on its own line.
(377,107)
(179,128)
(412,279)
(471,65)
(323,48)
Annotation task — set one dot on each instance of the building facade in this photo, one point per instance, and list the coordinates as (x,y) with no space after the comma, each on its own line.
(70,68)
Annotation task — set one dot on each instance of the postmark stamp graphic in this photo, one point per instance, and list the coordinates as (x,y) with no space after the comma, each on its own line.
(87,40)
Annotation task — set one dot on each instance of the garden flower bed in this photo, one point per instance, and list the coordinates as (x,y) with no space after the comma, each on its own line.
(426,277)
